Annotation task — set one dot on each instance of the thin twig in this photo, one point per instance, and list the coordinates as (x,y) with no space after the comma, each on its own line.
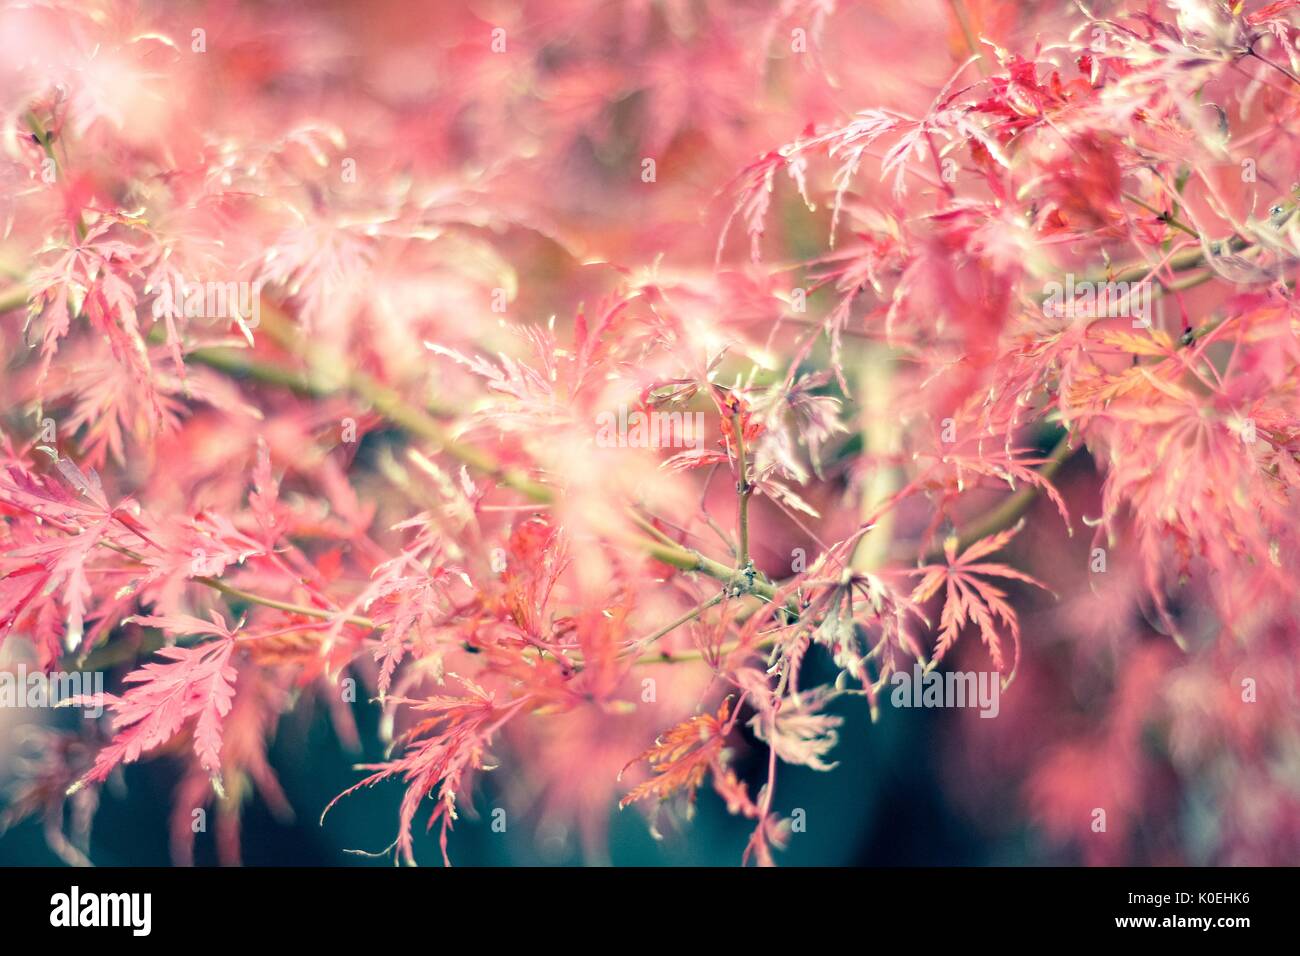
(1012,508)
(743,491)
(690,615)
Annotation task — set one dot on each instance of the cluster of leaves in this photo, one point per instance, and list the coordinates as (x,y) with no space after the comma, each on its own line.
(390,475)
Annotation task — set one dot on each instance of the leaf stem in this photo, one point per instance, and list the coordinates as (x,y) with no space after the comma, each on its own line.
(322,613)
(43,138)
(963,24)
(1166,217)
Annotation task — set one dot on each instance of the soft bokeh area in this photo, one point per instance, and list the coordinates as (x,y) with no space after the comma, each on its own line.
(378,507)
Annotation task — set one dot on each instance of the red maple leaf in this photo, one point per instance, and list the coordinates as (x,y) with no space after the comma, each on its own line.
(83,518)
(442,751)
(682,756)
(195,683)
(970,600)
